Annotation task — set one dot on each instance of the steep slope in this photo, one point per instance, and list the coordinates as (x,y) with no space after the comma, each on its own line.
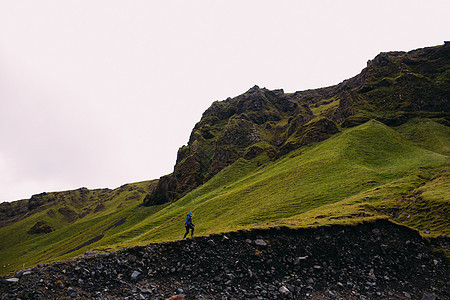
(341,179)
(393,88)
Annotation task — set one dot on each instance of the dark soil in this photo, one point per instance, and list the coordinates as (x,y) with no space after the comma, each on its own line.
(378,260)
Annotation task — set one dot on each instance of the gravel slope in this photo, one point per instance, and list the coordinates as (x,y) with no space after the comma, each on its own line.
(378,260)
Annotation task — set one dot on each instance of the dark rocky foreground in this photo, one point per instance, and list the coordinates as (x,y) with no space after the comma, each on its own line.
(378,260)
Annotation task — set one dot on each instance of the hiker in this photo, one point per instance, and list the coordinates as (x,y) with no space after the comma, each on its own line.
(189,224)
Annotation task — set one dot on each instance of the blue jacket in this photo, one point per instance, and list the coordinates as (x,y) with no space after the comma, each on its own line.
(189,221)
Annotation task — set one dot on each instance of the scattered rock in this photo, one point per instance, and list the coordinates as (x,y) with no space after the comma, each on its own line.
(372,275)
(135,275)
(297,261)
(299,264)
(260,242)
(430,297)
(284,290)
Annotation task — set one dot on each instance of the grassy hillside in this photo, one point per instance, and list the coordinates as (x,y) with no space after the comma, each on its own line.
(368,171)
(75,217)
(339,180)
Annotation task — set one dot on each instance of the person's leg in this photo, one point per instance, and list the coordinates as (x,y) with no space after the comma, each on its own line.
(187,231)
(192,232)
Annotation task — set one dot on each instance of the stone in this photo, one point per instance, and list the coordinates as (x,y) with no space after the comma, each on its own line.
(372,275)
(135,275)
(19,274)
(211,243)
(12,279)
(299,259)
(284,290)
(430,297)
(331,294)
(260,242)
(250,273)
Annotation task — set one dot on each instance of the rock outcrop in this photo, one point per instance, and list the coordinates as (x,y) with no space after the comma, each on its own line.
(41,227)
(378,260)
(259,119)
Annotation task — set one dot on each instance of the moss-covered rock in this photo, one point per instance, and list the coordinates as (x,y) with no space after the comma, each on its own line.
(258,149)
(316,130)
(41,227)
(355,120)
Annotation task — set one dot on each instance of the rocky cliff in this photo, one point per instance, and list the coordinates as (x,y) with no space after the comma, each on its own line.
(245,126)
(393,88)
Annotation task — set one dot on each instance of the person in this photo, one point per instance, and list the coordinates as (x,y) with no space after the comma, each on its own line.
(189,224)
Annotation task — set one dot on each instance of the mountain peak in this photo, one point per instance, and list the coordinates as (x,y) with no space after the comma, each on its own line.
(254,88)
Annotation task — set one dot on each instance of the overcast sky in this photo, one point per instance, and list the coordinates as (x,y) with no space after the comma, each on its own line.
(102,93)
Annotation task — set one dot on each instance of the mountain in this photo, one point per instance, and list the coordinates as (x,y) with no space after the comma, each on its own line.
(393,88)
(375,146)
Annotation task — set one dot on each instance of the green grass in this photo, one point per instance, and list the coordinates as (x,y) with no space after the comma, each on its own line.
(427,134)
(365,172)
(18,248)
(347,167)
(325,106)
(356,161)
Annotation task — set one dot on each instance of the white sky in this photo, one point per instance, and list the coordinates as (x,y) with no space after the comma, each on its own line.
(103,93)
